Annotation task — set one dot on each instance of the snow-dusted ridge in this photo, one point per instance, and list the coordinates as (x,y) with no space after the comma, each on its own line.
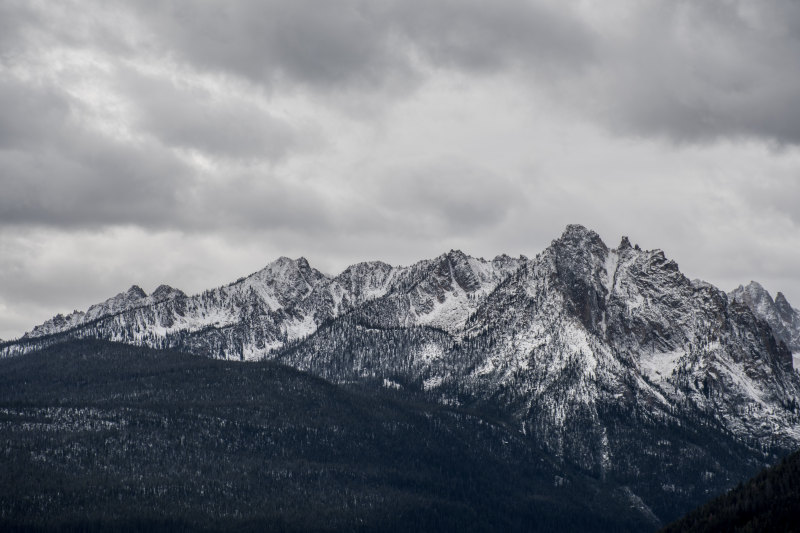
(288,299)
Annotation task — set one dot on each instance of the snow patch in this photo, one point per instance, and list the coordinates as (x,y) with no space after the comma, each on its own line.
(389,384)
(432,383)
(660,365)
(301,328)
(612,261)
(449,315)
(486,368)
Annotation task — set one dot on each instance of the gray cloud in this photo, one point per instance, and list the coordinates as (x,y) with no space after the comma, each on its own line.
(443,198)
(317,43)
(264,202)
(57,171)
(90,183)
(687,71)
(700,71)
(490,37)
(369,45)
(16,18)
(30,116)
(777,194)
(194,118)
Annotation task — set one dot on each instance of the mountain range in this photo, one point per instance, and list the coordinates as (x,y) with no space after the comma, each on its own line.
(610,360)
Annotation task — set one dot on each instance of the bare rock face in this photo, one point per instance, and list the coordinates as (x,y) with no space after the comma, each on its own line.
(610,359)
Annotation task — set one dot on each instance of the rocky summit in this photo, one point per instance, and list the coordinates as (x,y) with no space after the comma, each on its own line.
(609,359)
(778,313)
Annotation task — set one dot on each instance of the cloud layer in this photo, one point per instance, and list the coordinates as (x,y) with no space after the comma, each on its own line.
(355,129)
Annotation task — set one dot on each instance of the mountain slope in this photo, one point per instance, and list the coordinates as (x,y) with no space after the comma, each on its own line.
(100,436)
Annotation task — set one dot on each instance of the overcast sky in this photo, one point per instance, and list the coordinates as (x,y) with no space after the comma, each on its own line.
(191,143)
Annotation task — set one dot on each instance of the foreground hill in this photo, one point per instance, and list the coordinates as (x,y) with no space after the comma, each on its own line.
(768,502)
(103,436)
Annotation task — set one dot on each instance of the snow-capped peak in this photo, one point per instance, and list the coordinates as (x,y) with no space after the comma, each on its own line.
(577,234)
(122,301)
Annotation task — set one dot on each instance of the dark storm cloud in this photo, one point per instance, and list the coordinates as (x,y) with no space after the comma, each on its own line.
(318,43)
(357,43)
(687,71)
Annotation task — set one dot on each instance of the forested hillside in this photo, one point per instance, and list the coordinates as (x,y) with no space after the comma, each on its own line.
(103,436)
(768,502)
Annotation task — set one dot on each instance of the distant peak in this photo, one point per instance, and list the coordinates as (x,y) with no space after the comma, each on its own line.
(625,243)
(283,262)
(576,234)
(456,255)
(280,264)
(784,307)
(576,229)
(136,292)
(163,292)
(752,293)
(453,256)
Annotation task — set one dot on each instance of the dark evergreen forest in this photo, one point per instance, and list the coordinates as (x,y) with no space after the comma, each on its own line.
(98,436)
(768,502)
